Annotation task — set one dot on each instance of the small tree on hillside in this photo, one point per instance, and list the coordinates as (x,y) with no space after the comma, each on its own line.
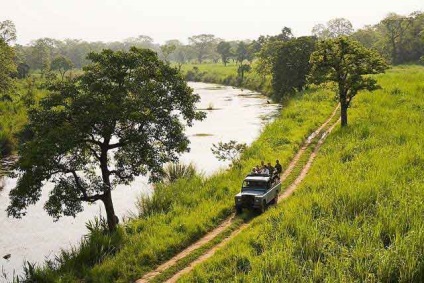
(129,104)
(346,62)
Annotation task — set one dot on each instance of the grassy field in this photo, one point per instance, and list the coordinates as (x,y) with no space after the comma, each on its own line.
(181,213)
(358,215)
(227,75)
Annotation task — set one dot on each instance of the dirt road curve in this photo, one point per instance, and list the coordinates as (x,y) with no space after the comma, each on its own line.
(211,235)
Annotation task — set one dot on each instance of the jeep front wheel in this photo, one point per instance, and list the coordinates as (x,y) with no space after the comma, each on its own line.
(239,209)
(263,207)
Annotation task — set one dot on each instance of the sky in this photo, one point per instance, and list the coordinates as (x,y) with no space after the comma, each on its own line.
(115,20)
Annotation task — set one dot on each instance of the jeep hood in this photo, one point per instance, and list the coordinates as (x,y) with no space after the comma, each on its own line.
(250,193)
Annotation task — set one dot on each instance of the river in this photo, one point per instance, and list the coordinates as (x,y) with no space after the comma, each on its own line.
(236,115)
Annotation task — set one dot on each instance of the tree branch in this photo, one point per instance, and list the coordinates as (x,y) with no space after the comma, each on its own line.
(115,145)
(78,183)
(91,199)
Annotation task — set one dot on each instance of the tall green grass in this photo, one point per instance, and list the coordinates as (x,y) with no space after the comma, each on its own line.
(182,212)
(358,215)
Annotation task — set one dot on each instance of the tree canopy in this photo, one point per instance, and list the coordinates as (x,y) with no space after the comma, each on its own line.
(290,66)
(7,68)
(346,62)
(7,31)
(224,49)
(123,117)
(202,44)
(333,29)
(62,65)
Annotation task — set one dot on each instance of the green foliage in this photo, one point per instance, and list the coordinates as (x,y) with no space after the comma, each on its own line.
(62,65)
(114,100)
(242,53)
(7,69)
(357,217)
(229,151)
(224,49)
(291,66)
(167,50)
(333,29)
(399,39)
(241,71)
(266,48)
(7,31)
(13,112)
(202,45)
(181,212)
(227,75)
(346,62)
(174,171)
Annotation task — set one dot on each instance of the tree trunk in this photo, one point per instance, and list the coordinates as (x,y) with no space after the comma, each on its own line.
(107,196)
(110,211)
(343,104)
(343,113)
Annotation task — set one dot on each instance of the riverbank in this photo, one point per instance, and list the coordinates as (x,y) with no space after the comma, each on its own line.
(181,213)
(227,75)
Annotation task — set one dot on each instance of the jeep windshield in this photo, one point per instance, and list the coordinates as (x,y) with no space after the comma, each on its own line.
(250,185)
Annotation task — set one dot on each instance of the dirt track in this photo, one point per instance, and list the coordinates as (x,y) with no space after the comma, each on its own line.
(226,223)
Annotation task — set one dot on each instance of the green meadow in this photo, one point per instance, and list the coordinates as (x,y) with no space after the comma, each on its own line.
(358,215)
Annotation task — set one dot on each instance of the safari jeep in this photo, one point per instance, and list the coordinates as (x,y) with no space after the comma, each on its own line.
(257,192)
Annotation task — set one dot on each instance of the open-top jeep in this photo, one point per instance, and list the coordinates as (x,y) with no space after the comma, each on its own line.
(257,192)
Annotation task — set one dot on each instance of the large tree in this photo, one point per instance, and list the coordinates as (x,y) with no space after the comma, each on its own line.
(347,63)
(224,49)
(291,66)
(123,117)
(203,45)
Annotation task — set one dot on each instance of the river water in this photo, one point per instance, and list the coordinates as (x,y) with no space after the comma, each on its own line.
(237,115)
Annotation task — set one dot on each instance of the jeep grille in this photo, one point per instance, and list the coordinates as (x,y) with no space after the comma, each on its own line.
(247,200)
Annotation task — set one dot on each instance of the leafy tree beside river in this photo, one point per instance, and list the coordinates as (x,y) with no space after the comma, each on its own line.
(126,103)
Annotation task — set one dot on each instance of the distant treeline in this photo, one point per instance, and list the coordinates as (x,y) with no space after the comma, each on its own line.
(400,39)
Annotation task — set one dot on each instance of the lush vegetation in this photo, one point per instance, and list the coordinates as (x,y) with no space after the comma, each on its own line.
(346,63)
(110,107)
(357,217)
(13,111)
(182,212)
(258,64)
(227,75)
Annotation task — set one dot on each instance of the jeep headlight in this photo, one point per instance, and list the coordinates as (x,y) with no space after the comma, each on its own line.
(238,199)
(257,199)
